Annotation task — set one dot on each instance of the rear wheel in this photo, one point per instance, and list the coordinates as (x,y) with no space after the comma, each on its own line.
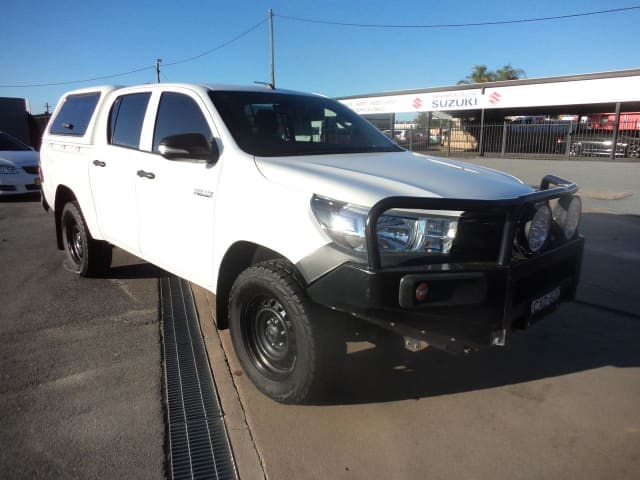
(276,333)
(84,255)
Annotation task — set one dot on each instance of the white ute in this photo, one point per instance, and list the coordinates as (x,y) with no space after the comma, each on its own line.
(304,221)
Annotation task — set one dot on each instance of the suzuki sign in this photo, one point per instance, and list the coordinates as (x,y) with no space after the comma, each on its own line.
(534,93)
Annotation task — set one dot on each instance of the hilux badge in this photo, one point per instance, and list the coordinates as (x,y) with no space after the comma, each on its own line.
(203,193)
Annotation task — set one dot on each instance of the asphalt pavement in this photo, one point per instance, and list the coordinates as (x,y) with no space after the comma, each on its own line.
(80,362)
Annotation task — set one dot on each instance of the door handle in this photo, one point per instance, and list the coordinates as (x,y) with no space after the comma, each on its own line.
(143,174)
(99,163)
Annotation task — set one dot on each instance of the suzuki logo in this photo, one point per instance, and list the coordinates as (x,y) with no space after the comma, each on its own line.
(494,98)
(417,103)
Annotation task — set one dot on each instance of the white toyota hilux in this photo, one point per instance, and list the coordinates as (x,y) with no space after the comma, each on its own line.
(300,217)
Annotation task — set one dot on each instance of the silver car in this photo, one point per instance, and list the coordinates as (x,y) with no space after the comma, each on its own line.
(18,167)
(596,144)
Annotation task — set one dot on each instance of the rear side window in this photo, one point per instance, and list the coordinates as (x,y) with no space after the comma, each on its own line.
(74,116)
(126,118)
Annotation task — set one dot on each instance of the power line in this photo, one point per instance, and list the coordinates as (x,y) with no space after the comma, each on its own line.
(219,47)
(458,25)
(150,67)
(55,84)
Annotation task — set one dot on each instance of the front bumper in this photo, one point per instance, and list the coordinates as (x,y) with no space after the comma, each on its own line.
(19,183)
(470,304)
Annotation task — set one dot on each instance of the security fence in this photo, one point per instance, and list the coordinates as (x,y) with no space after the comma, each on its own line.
(546,139)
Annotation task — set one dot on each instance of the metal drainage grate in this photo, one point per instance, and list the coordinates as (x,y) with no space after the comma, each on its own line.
(198,442)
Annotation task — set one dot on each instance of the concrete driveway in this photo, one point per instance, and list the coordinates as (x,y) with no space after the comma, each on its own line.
(561,401)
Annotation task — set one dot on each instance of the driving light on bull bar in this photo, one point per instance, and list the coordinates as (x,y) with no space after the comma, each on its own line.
(537,229)
(567,213)
(398,232)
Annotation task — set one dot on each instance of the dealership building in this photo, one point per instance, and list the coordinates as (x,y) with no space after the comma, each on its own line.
(615,93)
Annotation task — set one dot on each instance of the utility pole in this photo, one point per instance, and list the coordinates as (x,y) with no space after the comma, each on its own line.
(158,61)
(271,56)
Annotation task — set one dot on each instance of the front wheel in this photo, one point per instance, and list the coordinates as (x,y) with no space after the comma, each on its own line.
(84,255)
(275,334)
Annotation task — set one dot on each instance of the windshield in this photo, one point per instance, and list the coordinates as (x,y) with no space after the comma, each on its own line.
(10,144)
(270,124)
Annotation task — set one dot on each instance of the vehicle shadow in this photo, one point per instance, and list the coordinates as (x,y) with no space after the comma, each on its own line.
(576,338)
(132,271)
(126,266)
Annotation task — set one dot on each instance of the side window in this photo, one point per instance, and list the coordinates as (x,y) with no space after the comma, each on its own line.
(74,116)
(125,119)
(179,114)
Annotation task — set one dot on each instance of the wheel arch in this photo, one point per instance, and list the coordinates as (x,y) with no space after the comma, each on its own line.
(63,195)
(240,256)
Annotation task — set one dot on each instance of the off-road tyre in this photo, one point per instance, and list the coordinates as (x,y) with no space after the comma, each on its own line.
(283,341)
(83,255)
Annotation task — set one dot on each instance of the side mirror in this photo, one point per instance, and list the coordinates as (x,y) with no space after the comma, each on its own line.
(190,146)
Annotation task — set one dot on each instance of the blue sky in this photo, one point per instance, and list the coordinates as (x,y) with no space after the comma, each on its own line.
(64,41)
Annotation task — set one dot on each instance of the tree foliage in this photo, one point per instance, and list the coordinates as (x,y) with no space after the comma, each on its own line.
(482,74)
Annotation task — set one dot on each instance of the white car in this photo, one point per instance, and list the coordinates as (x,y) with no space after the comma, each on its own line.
(18,167)
(300,216)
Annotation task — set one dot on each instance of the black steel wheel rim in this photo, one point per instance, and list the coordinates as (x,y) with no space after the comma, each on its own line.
(268,337)
(74,242)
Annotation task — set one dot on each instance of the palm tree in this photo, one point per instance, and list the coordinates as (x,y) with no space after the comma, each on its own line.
(509,73)
(481,74)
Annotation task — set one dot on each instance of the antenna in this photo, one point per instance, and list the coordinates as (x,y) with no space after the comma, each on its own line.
(158,62)
(271,54)
(266,84)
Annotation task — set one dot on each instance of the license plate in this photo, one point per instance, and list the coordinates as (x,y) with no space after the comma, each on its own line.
(545,301)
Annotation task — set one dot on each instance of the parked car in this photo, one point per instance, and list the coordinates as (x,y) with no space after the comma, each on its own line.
(301,218)
(404,136)
(599,144)
(18,166)
(415,136)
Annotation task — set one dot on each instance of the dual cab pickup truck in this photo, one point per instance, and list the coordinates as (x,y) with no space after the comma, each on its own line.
(300,216)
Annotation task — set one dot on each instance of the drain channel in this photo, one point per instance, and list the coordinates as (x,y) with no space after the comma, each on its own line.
(198,444)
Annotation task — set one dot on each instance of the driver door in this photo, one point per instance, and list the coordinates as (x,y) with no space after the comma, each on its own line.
(176,195)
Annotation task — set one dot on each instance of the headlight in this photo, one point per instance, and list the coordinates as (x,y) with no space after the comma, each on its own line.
(398,232)
(7,169)
(567,213)
(537,229)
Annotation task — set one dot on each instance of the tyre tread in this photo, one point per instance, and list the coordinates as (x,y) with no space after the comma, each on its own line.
(293,286)
(98,253)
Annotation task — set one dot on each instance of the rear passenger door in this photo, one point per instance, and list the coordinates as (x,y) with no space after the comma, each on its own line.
(112,171)
(176,196)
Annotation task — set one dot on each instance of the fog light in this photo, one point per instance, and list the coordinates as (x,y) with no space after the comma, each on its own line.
(422,291)
(537,230)
(567,215)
